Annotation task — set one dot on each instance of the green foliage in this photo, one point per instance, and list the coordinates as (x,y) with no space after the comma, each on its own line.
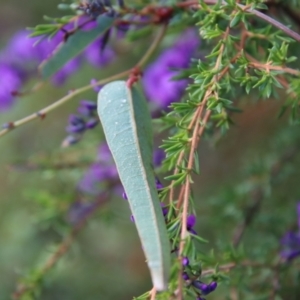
(49,30)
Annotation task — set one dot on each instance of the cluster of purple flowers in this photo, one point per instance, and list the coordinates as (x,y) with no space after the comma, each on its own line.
(85,119)
(202,289)
(20,58)
(159,85)
(291,241)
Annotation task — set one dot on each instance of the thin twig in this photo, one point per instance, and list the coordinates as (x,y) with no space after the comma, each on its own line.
(230,266)
(153,46)
(42,113)
(272,67)
(255,12)
(153,294)
(25,167)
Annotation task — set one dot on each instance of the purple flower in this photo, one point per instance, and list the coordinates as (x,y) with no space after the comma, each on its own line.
(290,242)
(25,49)
(191,221)
(102,171)
(87,108)
(79,210)
(213,285)
(290,245)
(97,174)
(76,124)
(21,49)
(185,276)
(158,156)
(104,154)
(10,80)
(91,123)
(185,261)
(164,209)
(159,86)
(158,184)
(67,70)
(205,288)
(98,55)
(124,196)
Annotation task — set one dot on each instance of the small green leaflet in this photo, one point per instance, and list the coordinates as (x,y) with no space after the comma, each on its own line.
(127,127)
(75,44)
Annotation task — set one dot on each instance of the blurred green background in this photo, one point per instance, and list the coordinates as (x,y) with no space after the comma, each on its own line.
(106,259)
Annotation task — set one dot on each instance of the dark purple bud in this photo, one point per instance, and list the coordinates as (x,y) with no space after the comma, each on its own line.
(95,8)
(132,218)
(90,124)
(185,276)
(87,108)
(79,210)
(191,221)
(75,120)
(91,105)
(158,157)
(165,211)
(124,196)
(158,184)
(85,112)
(204,288)
(289,254)
(70,140)
(78,128)
(185,261)
(192,231)
(290,245)
(200,298)
(213,285)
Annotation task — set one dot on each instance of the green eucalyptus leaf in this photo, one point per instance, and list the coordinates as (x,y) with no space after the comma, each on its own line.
(75,44)
(127,127)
